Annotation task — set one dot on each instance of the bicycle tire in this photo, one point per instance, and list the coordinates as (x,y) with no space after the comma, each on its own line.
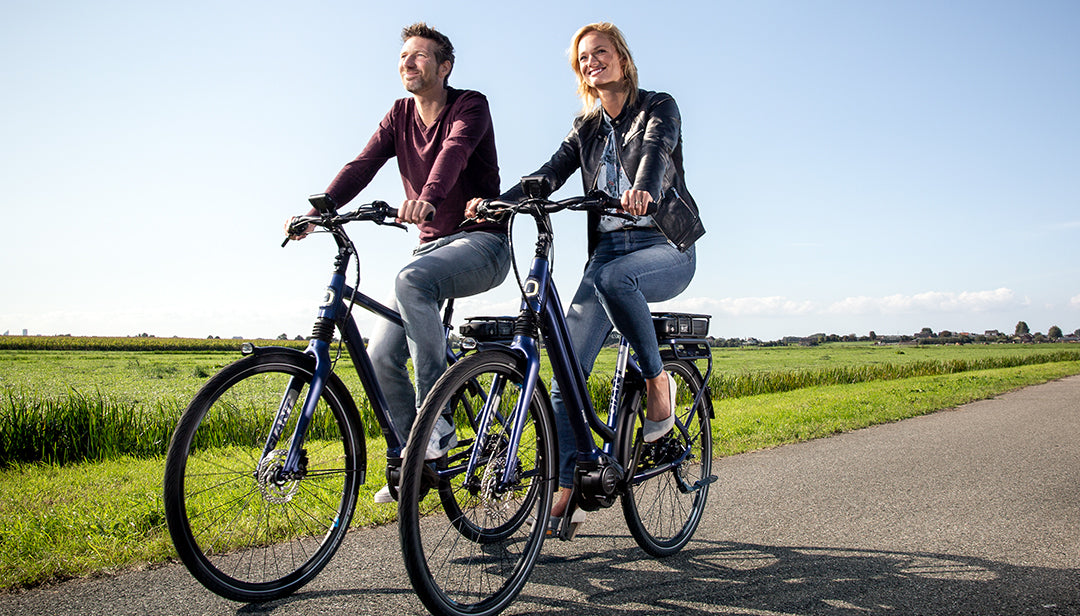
(475,556)
(240,532)
(661,515)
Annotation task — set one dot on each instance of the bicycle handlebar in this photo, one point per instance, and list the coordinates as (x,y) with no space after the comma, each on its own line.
(597,201)
(377,212)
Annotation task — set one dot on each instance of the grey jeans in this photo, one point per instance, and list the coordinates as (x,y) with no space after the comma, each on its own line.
(628,269)
(458,265)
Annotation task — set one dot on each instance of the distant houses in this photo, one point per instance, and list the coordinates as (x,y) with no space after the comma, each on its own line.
(923,337)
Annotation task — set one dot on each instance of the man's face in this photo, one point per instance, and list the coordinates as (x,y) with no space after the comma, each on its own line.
(420,71)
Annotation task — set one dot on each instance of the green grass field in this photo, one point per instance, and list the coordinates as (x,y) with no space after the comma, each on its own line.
(105,513)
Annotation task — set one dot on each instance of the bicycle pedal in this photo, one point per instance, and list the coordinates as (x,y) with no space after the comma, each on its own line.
(429,479)
(698,485)
(565,529)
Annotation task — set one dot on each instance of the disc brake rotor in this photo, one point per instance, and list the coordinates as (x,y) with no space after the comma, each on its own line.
(273,489)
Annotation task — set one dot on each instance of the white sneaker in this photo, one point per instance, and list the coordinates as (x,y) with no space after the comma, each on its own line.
(443,439)
(383,496)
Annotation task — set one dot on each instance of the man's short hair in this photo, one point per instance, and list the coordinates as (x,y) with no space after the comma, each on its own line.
(444,49)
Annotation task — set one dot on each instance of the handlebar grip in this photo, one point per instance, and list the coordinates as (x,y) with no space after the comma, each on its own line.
(295,228)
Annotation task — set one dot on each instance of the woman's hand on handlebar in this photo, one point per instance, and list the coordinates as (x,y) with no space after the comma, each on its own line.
(636,202)
(471,207)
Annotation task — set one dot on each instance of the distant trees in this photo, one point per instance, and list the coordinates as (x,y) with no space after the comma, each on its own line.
(925,336)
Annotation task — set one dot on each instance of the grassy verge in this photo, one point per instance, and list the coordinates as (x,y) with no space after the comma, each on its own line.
(96,517)
(758,422)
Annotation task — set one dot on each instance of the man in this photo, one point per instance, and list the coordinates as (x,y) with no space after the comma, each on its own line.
(445,146)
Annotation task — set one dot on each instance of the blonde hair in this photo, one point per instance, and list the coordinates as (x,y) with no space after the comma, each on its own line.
(588,94)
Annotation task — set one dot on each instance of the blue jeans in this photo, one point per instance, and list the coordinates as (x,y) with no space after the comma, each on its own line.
(627,270)
(458,265)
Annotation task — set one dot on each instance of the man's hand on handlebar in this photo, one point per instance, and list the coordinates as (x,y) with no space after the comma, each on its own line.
(294,232)
(415,212)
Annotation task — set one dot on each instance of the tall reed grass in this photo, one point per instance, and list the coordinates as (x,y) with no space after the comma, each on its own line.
(75,427)
(729,385)
(137,343)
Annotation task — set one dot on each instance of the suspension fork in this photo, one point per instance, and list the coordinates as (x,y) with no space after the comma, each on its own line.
(487,416)
(319,348)
(526,348)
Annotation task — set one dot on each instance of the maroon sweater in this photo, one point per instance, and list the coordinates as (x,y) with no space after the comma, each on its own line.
(445,164)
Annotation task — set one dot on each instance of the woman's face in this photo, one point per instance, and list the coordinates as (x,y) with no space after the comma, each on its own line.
(598,62)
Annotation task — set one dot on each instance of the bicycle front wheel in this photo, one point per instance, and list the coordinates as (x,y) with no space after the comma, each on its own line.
(662,510)
(470,545)
(243,531)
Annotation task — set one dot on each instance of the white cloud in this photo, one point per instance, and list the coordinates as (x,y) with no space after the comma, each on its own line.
(930,301)
(741,306)
(1074,301)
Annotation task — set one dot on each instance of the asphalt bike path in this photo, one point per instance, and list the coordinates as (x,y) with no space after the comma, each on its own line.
(974,510)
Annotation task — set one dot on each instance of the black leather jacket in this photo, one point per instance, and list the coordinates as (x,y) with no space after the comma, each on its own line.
(650,148)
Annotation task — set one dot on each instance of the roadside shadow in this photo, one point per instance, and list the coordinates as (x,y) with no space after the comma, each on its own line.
(710,577)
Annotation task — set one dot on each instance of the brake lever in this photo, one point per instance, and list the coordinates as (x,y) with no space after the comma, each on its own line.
(495,215)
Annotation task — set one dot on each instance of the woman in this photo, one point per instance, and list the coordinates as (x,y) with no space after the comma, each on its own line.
(627,142)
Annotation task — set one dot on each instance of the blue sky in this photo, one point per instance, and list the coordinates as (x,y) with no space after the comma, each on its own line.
(861,166)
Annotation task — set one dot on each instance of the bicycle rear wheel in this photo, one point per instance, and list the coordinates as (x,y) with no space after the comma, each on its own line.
(242,531)
(663,510)
(469,548)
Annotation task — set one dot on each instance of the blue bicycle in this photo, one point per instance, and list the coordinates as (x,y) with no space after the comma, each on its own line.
(474,556)
(263,470)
